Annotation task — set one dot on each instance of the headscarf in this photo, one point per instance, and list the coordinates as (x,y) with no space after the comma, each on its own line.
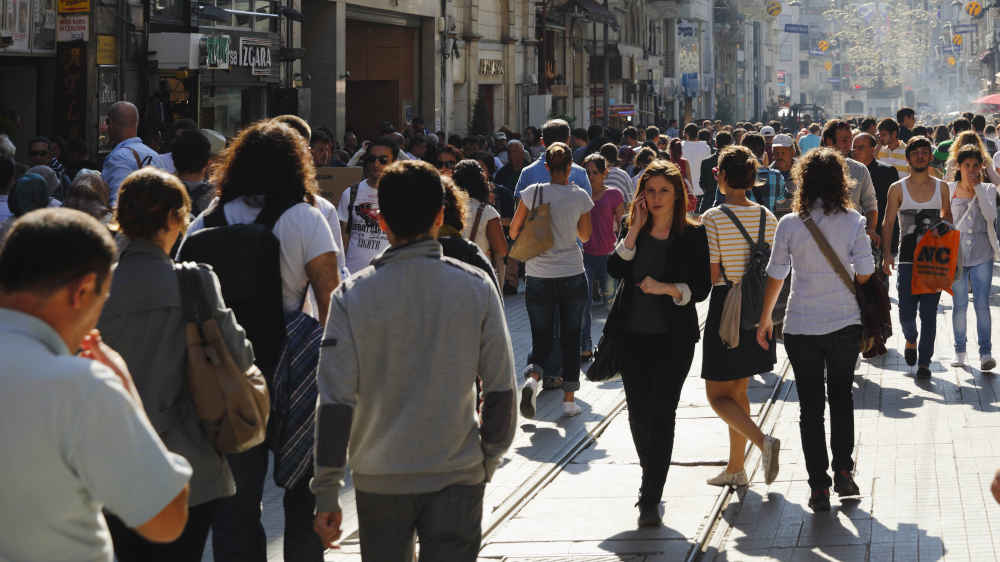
(30,192)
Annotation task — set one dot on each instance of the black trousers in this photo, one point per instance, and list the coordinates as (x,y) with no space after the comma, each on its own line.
(835,353)
(239,534)
(655,369)
(131,546)
(448,523)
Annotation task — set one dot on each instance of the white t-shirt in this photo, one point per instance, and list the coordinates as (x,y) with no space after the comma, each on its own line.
(329,212)
(489,213)
(695,152)
(566,204)
(303,235)
(367,239)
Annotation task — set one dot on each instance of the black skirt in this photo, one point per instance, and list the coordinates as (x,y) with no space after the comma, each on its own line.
(719,363)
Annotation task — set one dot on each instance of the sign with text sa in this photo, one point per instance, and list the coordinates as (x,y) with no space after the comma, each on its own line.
(74,6)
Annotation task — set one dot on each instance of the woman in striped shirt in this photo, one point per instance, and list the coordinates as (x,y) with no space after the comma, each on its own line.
(727,371)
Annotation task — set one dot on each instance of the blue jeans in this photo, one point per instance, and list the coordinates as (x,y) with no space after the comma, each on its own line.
(908,307)
(597,273)
(566,297)
(981,278)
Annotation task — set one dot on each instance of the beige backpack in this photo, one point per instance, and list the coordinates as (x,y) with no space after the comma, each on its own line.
(232,405)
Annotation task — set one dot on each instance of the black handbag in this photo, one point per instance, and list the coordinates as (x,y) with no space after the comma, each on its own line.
(609,359)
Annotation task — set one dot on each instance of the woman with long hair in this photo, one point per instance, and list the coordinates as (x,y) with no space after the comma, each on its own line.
(822,325)
(727,370)
(555,279)
(663,263)
(266,176)
(676,147)
(974,206)
(482,220)
(967,139)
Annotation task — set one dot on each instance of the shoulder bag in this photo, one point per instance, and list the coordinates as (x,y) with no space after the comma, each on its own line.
(536,234)
(872,297)
(232,405)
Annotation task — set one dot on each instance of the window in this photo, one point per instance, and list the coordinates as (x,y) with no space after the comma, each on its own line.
(264,24)
(804,42)
(804,69)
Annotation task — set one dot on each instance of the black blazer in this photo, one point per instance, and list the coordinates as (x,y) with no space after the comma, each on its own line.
(686,262)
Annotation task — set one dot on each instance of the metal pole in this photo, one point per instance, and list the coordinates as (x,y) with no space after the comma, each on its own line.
(607,71)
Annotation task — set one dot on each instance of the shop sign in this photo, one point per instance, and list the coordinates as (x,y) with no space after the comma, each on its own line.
(491,68)
(255,53)
(685,28)
(797,28)
(107,49)
(73,28)
(74,6)
(217,52)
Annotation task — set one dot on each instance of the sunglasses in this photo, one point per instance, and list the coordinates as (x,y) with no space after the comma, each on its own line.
(449,164)
(380,159)
(38,152)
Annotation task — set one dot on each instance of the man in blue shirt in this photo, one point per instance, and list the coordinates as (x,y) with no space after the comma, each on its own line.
(810,141)
(129,153)
(555,130)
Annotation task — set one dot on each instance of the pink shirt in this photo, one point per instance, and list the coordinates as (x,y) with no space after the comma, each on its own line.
(602,220)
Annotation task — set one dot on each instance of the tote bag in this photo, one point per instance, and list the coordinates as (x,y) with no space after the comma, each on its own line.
(536,235)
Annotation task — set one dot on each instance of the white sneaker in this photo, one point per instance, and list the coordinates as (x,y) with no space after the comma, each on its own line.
(529,398)
(987,363)
(769,460)
(732,479)
(571,409)
(960,357)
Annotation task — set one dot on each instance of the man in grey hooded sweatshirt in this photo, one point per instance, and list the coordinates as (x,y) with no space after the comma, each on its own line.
(406,339)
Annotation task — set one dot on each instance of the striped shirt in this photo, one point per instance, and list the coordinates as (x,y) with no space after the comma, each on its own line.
(895,158)
(726,244)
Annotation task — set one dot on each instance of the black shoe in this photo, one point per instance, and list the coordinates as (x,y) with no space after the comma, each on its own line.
(923,372)
(844,484)
(910,354)
(649,515)
(820,500)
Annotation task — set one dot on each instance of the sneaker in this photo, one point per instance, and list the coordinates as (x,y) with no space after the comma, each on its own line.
(986,363)
(649,515)
(819,500)
(571,409)
(959,361)
(529,398)
(732,479)
(910,354)
(844,484)
(769,460)
(923,372)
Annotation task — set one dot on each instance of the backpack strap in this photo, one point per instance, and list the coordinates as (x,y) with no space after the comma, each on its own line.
(350,212)
(141,163)
(828,253)
(475,225)
(763,226)
(217,217)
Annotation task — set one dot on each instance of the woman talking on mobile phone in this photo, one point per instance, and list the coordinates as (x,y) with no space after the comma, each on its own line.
(663,263)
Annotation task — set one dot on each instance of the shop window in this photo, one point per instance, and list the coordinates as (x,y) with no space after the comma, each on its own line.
(804,69)
(246,22)
(167,11)
(221,109)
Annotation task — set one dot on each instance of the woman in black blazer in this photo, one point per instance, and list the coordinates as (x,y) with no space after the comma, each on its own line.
(663,263)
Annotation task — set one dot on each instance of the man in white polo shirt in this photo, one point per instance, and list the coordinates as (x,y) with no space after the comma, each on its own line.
(73,432)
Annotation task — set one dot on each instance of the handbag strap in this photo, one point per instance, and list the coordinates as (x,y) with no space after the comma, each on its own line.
(828,253)
(192,295)
(475,225)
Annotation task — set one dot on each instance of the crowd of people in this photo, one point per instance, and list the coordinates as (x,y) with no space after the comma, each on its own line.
(377,319)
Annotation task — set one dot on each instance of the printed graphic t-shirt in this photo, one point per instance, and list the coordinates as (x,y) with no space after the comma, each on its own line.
(366,238)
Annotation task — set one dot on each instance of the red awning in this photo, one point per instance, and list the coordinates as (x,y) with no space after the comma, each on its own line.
(992,99)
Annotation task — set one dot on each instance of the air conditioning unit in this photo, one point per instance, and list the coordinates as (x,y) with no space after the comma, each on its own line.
(174,51)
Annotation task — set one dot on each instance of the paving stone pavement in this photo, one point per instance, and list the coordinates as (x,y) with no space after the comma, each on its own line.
(926,453)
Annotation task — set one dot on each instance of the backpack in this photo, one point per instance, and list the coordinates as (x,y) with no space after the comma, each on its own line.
(246,259)
(232,405)
(755,272)
(350,215)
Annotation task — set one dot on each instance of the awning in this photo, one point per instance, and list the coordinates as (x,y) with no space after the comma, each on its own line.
(588,10)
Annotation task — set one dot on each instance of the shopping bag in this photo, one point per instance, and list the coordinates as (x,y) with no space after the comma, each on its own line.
(935,260)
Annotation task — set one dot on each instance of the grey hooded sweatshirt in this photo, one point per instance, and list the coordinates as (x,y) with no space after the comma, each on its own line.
(405,340)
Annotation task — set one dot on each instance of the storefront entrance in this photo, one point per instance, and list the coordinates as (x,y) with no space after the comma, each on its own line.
(382,64)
